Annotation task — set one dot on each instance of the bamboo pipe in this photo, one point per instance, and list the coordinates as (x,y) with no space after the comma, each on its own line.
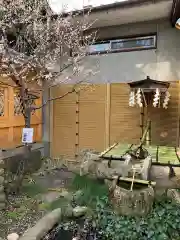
(109,149)
(125,179)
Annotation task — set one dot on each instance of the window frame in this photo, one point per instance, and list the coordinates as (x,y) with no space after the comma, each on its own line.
(139,37)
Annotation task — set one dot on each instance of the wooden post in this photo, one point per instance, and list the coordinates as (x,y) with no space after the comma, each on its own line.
(77,125)
(38,115)
(107,115)
(51,123)
(148,126)
(142,121)
(39,132)
(178,118)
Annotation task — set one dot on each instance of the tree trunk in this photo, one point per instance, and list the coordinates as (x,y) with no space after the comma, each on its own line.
(27,117)
(26,102)
(27,147)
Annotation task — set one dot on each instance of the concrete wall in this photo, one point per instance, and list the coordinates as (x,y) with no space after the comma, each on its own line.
(162,63)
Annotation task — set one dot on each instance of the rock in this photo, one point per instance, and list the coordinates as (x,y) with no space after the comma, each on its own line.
(1,171)
(3,206)
(89,161)
(31,161)
(43,226)
(100,169)
(13,236)
(174,195)
(103,171)
(67,211)
(66,195)
(160,175)
(1,180)
(6,182)
(146,168)
(138,202)
(1,189)
(2,197)
(1,163)
(50,197)
(87,152)
(79,211)
(77,195)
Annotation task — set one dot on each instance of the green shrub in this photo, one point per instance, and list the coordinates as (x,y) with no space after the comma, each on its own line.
(91,190)
(163,223)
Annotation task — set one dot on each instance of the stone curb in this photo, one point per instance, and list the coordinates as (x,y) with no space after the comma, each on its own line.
(47,223)
(43,226)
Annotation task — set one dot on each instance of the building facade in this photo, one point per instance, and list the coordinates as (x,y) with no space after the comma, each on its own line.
(98,117)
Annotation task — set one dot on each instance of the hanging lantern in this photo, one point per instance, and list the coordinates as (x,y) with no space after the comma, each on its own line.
(132,99)
(166,100)
(138,98)
(156,98)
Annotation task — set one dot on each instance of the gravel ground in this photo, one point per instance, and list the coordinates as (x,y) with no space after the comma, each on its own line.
(18,219)
(23,212)
(3,224)
(26,214)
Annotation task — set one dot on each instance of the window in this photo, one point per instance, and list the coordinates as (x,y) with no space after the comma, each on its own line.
(122,45)
(101,47)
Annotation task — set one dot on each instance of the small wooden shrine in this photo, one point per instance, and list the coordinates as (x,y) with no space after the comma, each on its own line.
(148,91)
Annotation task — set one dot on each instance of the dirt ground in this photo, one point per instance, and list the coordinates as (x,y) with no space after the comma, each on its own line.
(59,177)
(26,209)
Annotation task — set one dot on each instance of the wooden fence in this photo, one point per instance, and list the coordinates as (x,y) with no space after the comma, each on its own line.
(98,118)
(11,119)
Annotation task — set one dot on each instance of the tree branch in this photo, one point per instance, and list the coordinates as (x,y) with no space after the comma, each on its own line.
(55,98)
(6,84)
